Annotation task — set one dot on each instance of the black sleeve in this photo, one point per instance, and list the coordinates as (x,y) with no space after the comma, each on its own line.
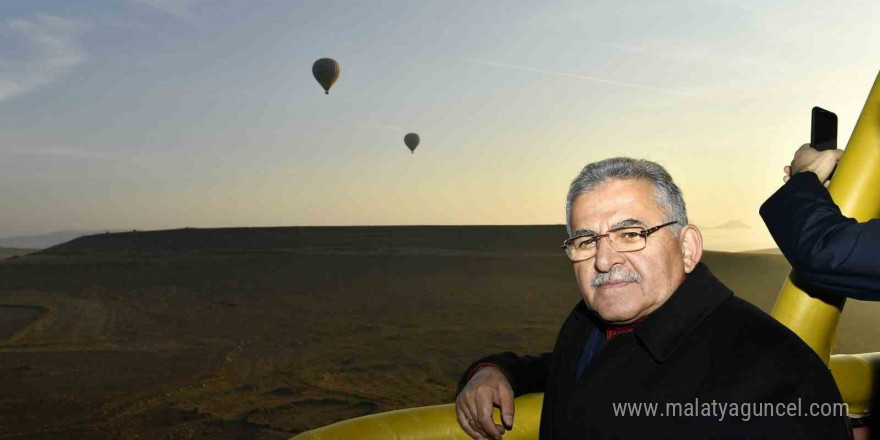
(825,248)
(526,374)
(805,415)
(823,414)
(804,397)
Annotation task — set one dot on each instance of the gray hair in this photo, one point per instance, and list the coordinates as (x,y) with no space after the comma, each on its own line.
(667,195)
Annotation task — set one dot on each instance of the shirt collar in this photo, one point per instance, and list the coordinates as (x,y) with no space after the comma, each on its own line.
(614,330)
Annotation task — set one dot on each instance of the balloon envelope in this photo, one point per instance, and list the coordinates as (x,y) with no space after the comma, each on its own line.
(412,141)
(326,71)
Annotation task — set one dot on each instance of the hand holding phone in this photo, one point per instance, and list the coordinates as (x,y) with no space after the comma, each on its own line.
(821,155)
(821,163)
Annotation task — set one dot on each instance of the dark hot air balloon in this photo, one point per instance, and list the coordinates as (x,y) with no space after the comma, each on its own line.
(412,141)
(326,71)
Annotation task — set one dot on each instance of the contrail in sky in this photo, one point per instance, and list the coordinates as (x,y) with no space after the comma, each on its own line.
(56,51)
(572,75)
(177,8)
(374,125)
(56,151)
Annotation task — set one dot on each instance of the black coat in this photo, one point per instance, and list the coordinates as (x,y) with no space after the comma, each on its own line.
(825,249)
(703,344)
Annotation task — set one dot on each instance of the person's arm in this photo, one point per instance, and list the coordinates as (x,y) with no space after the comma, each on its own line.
(526,374)
(495,381)
(824,247)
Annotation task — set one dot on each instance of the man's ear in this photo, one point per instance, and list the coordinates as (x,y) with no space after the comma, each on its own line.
(691,241)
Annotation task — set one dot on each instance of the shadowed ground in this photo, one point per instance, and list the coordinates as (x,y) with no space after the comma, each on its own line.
(264,333)
(14,252)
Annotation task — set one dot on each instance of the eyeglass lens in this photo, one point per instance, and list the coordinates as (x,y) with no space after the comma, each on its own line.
(622,240)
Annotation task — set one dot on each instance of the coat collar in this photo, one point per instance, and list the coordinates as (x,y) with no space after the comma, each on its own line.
(664,330)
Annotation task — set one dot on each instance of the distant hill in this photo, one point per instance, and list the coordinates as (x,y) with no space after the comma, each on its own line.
(361,239)
(539,238)
(770,251)
(733,224)
(42,241)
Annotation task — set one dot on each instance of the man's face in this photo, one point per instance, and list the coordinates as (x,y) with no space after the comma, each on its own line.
(653,272)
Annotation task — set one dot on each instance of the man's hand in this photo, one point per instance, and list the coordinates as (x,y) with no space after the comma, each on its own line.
(820,162)
(473,406)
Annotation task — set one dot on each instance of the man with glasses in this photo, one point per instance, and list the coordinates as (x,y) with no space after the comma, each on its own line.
(658,347)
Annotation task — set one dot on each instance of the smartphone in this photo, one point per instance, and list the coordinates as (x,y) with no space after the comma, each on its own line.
(823,130)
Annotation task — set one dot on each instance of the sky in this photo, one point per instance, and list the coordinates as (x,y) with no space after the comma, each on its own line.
(159,114)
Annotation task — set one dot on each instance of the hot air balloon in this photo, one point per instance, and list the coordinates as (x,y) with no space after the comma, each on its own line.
(326,71)
(412,141)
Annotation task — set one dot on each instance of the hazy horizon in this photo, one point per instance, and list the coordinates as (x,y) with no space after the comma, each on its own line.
(731,236)
(160,114)
(737,222)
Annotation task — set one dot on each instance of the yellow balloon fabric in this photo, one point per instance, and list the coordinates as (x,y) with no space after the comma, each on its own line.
(855,377)
(427,423)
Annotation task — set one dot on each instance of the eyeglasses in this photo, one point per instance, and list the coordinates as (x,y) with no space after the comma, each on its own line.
(625,239)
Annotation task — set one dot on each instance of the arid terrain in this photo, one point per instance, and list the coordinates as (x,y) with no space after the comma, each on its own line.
(263,333)
(6,252)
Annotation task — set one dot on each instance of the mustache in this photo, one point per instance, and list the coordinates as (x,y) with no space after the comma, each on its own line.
(616,273)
